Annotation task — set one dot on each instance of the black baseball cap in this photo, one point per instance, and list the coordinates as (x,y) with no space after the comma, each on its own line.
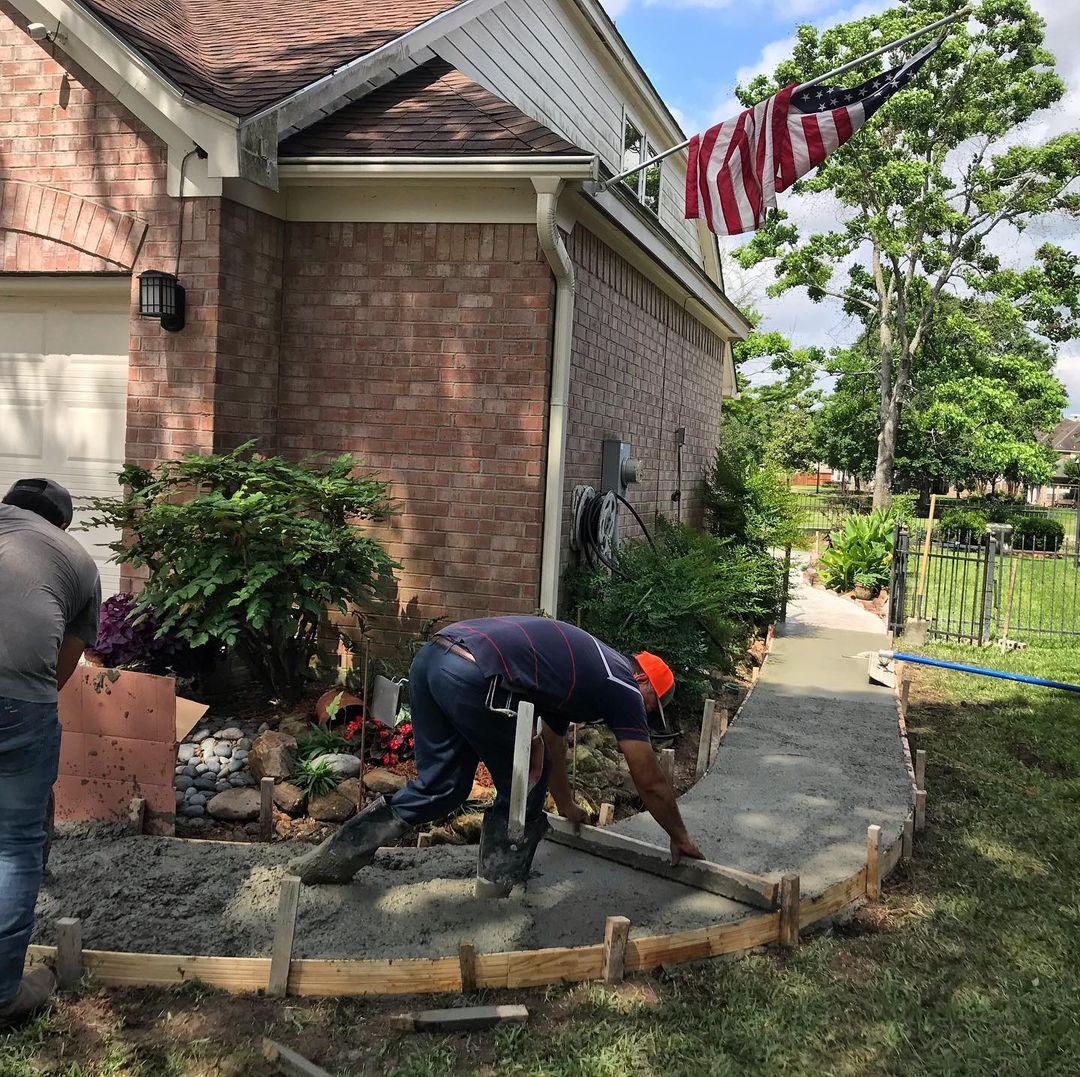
(48,499)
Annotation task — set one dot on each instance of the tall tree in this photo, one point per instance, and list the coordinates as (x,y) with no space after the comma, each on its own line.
(982,397)
(927,186)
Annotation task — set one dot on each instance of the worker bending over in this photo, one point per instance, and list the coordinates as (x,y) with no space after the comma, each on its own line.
(459,682)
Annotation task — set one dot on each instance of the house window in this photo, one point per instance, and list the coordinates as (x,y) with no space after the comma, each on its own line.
(643,185)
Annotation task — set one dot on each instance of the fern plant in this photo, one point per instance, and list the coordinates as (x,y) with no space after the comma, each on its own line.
(317,779)
(321,742)
(860,554)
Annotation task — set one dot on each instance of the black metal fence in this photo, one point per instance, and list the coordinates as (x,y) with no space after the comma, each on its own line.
(977,588)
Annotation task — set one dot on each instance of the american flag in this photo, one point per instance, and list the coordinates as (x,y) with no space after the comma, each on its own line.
(737,167)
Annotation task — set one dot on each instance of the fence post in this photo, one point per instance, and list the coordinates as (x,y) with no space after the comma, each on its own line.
(898,579)
(1076,519)
(985,629)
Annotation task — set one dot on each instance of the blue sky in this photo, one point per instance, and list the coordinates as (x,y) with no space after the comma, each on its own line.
(695,51)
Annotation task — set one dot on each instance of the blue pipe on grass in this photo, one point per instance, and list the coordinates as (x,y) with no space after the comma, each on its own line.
(982,670)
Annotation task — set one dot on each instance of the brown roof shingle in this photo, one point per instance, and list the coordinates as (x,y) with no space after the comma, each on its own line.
(242,55)
(432,110)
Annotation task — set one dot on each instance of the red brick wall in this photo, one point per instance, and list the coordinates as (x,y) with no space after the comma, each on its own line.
(425,350)
(249,327)
(641,369)
(83,190)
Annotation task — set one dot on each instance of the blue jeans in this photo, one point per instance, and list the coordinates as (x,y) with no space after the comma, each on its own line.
(29,756)
(455,731)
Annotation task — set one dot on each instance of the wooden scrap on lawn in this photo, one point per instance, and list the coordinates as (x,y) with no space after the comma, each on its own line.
(459,1019)
(290,1062)
(715,878)
(606,815)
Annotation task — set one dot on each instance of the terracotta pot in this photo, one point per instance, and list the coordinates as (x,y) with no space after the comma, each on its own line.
(323,703)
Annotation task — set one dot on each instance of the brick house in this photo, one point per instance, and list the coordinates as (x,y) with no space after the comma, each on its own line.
(386,221)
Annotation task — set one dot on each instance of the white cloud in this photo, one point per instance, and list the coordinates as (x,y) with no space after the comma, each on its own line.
(615,8)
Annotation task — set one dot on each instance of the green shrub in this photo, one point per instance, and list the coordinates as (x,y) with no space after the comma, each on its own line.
(963,525)
(748,502)
(860,554)
(317,779)
(904,506)
(1037,532)
(248,551)
(321,742)
(694,601)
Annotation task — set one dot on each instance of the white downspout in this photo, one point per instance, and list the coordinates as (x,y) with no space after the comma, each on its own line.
(551,243)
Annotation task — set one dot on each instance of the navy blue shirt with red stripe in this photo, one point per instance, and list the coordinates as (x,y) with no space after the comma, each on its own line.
(569,675)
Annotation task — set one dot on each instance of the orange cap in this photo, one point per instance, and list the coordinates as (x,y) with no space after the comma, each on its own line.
(658,674)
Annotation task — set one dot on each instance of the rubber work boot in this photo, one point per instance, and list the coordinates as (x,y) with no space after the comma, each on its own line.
(353,847)
(503,864)
(34,992)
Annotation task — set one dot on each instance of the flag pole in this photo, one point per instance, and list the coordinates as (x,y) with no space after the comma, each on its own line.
(835,73)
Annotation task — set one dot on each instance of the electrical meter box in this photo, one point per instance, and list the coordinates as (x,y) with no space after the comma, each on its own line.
(617,469)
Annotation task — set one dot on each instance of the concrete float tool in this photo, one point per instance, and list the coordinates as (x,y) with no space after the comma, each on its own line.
(882,671)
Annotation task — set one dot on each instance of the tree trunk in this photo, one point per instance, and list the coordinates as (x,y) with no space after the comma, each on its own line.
(886,454)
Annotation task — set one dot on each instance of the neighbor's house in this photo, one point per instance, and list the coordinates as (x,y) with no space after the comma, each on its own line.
(383,214)
(1064,440)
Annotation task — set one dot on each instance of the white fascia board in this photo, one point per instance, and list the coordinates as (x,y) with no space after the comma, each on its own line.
(327,94)
(659,257)
(170,113)
(332,170)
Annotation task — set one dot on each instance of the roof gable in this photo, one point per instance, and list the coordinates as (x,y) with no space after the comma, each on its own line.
(243,55)
(431,110)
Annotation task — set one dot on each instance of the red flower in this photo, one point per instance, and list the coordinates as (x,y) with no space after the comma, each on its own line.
(395,743)
(386,759)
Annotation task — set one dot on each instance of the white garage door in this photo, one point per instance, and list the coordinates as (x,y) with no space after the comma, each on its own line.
(63,390)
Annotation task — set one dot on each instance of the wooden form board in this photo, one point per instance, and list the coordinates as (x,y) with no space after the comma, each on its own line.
(514,969)
(701,874)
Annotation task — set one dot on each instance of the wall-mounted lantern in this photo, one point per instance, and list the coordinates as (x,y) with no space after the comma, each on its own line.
(161,295)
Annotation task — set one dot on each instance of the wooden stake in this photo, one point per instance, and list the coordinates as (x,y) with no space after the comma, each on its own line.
(873,862)
(667,764)
(266,809)
(909,837)
(69,956)
(920,810)
(137,814)
(467,961)
(459,1019)
(519,776)
(920,769)
(281,957)
(905,689)
(573,759)
(924,564)
(789,912)
(616,936)
(704,751)
(607,814)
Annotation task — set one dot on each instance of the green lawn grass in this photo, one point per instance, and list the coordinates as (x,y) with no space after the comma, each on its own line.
(968,966)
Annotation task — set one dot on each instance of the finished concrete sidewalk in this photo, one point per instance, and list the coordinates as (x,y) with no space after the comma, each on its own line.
(814,758)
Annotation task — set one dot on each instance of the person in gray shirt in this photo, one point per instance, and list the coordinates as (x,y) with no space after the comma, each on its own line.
(50,592)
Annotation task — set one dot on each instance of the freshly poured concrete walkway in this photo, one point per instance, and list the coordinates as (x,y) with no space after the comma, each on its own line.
(814,757)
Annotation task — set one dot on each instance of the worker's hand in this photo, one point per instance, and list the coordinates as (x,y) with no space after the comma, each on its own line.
(682,847)
(575,816)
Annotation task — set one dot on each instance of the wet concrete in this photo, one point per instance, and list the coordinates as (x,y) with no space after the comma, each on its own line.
(814,758)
